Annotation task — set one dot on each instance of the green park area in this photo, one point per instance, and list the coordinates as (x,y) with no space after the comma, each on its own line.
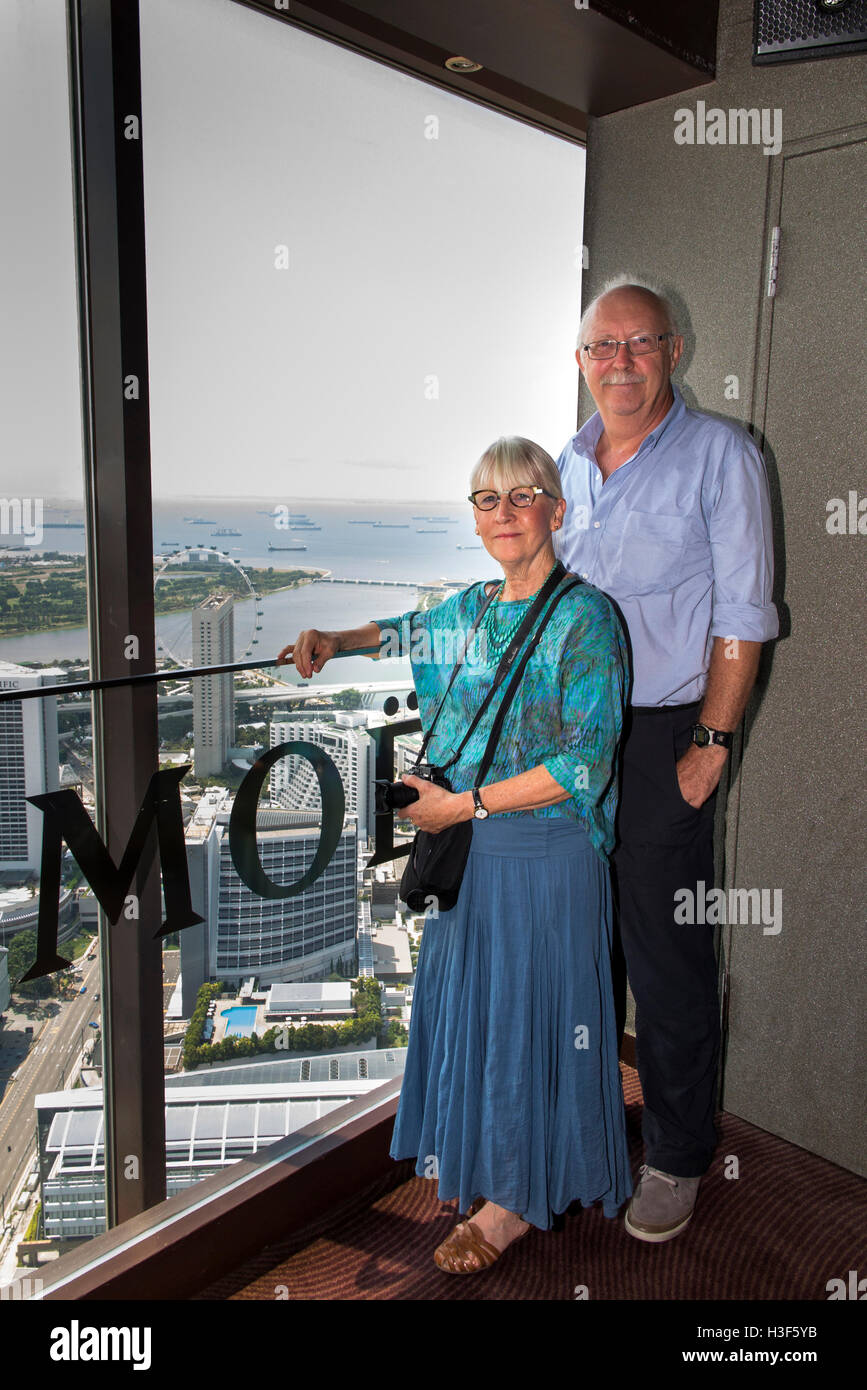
(368,1023)
(49,593)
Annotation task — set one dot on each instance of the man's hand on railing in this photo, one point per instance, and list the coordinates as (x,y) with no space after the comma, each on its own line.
(310,651)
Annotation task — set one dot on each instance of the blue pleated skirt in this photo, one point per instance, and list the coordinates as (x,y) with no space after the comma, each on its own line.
(512,1088)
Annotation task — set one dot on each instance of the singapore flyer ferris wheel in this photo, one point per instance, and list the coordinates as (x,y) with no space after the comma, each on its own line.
(182,580)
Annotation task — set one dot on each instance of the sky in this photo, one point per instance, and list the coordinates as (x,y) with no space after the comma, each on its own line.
(356,281)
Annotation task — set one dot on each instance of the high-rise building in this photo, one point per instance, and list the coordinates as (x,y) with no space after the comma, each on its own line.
(294,784)
(29,764)
(274,939)
(213,696)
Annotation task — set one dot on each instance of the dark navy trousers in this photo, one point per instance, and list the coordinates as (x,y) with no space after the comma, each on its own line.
(663,845)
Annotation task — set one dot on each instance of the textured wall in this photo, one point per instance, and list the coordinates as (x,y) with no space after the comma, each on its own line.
(693,219)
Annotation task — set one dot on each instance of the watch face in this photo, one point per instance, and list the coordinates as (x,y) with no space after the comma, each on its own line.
(701,736)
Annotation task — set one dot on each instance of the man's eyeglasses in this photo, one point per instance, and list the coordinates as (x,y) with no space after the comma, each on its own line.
(486,499)
(638,346)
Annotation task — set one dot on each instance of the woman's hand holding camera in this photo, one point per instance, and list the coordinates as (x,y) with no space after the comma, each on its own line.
(310,651)
(436,808)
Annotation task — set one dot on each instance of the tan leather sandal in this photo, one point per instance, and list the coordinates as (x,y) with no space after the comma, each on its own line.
(466,1239)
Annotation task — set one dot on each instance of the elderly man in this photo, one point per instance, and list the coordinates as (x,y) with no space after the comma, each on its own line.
(668,513)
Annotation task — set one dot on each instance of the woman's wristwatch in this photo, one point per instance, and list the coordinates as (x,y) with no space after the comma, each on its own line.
(481,812)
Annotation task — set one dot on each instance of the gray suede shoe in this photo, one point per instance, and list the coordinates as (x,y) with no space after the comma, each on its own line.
(661,1205)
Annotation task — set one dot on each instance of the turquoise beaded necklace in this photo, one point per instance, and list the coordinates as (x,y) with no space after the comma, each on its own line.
(497,640)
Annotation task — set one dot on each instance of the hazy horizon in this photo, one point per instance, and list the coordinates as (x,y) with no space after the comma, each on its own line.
(431,289)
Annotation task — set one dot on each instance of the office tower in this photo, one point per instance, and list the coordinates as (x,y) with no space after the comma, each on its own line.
(29,764)
(293,780)
(274,939)
(213,696)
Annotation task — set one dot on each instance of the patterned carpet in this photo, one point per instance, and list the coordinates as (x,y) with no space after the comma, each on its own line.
(786,1225)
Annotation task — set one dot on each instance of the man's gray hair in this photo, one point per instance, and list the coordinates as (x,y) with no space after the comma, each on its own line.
(628,282)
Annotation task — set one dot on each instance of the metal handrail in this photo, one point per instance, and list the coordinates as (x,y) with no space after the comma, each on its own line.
(150,677)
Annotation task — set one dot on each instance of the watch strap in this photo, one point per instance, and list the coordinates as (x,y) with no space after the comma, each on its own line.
(722,738)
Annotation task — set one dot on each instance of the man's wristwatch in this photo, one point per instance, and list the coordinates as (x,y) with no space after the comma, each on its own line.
(704,736)
(481,812)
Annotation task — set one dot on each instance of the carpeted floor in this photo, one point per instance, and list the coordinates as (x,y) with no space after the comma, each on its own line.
(780,1230)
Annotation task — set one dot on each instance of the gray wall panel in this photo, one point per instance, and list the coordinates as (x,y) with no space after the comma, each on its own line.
(695,220)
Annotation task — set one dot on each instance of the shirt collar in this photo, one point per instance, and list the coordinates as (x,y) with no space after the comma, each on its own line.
(585,441)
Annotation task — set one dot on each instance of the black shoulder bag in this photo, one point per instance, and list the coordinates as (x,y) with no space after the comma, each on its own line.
(437,860)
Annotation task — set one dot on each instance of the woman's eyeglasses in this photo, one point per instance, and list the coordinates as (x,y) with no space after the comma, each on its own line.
(486,499)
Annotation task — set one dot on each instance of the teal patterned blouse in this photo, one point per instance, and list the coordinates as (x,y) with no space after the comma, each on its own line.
(567,713)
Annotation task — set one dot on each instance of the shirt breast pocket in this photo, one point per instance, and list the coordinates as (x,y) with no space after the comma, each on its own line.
(651,550)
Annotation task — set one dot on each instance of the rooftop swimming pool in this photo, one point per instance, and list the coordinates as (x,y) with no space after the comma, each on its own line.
(240,1022)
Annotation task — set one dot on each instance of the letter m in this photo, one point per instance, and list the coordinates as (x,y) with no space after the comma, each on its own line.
(743,126)
(66,819)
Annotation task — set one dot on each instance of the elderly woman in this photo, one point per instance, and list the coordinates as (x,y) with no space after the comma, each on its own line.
(511,1094)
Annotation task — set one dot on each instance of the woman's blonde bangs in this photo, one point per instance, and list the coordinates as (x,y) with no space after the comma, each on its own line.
(512,460)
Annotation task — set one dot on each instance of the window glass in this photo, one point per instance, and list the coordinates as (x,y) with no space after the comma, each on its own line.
(355,283)
(51,1173)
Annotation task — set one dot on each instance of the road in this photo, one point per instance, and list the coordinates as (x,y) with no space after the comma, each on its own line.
(46,1068)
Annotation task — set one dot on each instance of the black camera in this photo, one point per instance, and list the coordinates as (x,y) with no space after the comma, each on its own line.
(392,796)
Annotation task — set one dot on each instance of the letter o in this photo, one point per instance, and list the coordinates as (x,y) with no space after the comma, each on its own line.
(242,822)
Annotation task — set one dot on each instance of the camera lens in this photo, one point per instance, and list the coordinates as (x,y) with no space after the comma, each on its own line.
(403,795)
(391,796)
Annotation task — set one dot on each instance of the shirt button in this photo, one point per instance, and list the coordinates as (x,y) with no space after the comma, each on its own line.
(585,575)
(597,524)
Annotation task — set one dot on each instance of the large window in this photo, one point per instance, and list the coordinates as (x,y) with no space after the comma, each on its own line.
(356,281)
(51,1029)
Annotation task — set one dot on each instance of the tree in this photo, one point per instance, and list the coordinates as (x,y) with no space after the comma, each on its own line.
(22,954)
(394,1034)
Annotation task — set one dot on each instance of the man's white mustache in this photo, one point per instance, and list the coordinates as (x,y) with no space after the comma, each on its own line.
(621,379)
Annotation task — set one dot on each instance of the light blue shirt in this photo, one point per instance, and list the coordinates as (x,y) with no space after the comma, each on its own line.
(680,537)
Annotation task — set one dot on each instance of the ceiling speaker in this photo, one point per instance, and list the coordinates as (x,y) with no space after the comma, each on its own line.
(788,30)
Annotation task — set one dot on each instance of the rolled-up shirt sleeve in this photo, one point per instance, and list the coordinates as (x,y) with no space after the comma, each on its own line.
(742,546)
(593,678)
(395,634)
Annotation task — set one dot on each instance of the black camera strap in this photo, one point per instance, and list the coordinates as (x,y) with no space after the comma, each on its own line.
(509,696)
(506,660)
(481,613)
